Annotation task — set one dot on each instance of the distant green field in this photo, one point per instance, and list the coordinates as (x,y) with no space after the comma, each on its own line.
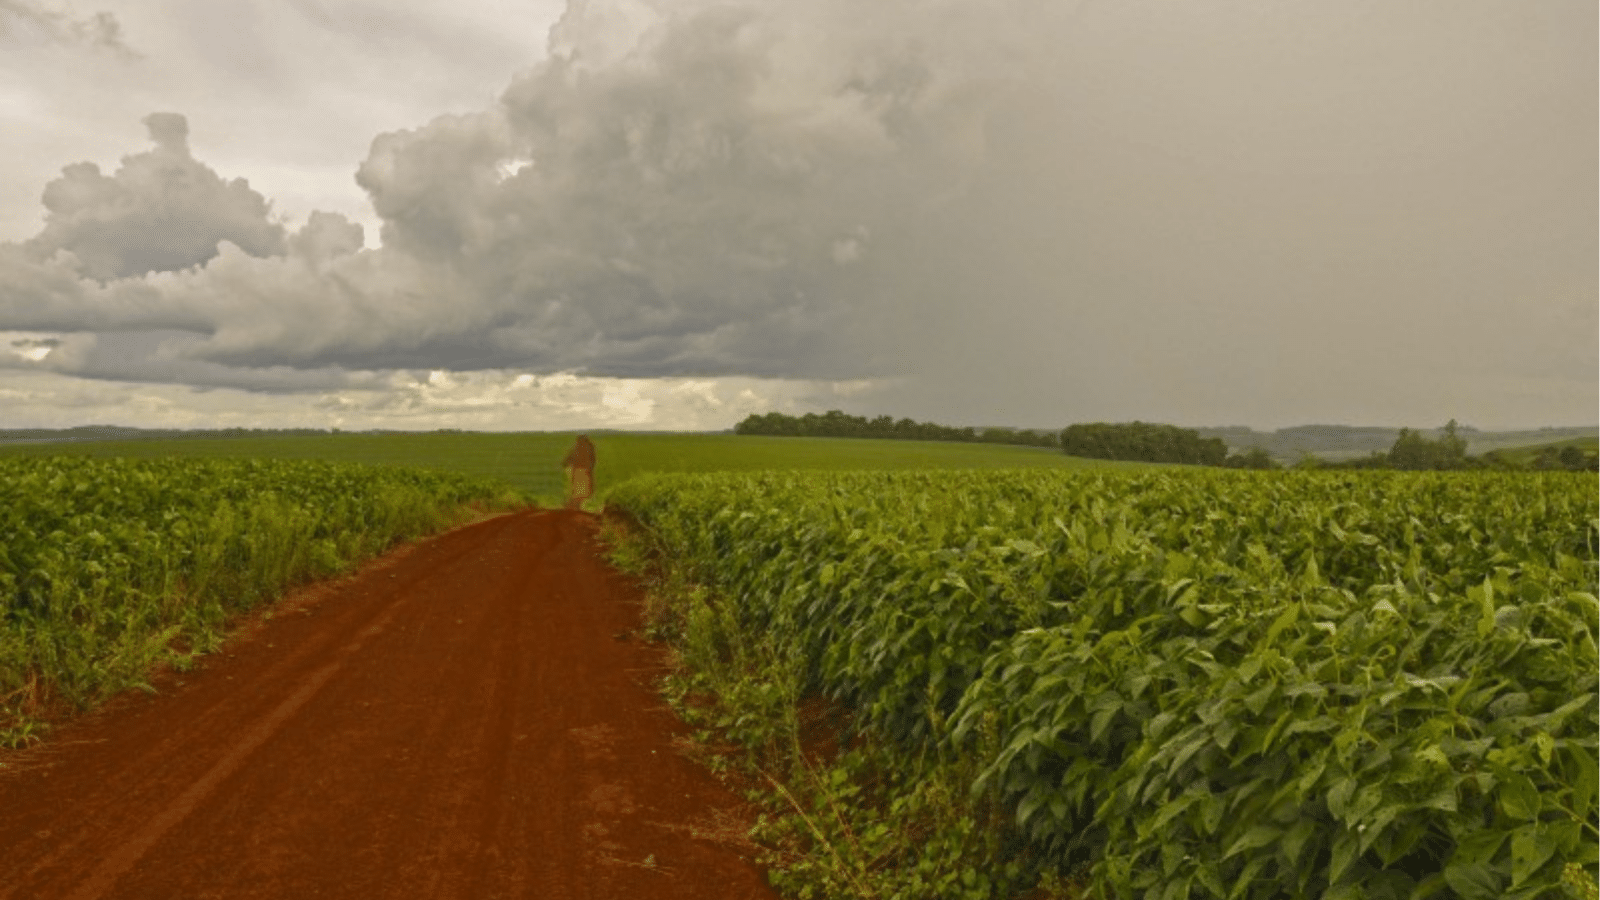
(1526,454)
(532,461)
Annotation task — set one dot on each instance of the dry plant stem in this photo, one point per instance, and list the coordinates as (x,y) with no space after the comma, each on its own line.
(610,860)
(861,889)
(833,806)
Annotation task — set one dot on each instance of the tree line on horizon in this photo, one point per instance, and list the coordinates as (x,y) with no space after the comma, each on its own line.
(1414,452)
(1158,443)
(835,423)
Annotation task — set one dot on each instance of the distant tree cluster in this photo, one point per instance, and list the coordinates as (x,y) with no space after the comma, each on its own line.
(835,423)
(1548,459)
(1151,442)
(1254,458)
(1570,458)
(1414,452)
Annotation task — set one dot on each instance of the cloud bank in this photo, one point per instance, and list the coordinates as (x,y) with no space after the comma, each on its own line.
(679,189)
(163,211)
(1003,213)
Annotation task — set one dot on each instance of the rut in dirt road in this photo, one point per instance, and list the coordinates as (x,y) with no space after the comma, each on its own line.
(468,718)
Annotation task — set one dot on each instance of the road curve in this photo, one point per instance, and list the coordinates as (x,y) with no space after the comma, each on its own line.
(467,718)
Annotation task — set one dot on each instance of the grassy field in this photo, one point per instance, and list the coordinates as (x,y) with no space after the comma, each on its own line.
(1525,455)
(532,461)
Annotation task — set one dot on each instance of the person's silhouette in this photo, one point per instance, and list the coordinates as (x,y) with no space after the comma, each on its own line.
(580,472)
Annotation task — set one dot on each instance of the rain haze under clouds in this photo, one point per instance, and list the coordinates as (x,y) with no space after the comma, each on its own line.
(673,213)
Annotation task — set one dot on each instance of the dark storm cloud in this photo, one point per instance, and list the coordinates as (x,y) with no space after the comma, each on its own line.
(692,191)
(1034,213)
(693,188)
(160,357)
(161,211)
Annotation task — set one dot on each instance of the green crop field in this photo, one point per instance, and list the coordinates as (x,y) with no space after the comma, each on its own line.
(1176,682)
(1179,683)
(116,554)
(531,462)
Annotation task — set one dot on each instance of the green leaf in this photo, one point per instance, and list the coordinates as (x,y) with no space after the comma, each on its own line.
(1339,797)
(1167,812)
(1211,810)
(1258,699)
(1478,847)
(1294,840)
(1289,616)
(1484,594)
(1583,775)
(1367,800)
(1531,847)
(1378,823)
(1312,771)
(1100,722)
(1473,881)
(1513,704)
(1519,797)
(1310,576)
(1257,836)
(1210,879)
(1546,745)
(1249,667)
(1444,799)
(1344,854)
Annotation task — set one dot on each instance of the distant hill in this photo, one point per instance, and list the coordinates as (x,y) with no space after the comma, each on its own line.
(1340,442)
(123,433)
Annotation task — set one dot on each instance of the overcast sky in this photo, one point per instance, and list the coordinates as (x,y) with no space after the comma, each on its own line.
(668,214)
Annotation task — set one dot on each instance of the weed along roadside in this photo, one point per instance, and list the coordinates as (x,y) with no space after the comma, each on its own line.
(1131,684)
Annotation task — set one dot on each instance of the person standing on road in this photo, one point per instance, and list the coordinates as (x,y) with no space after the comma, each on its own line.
(580,472)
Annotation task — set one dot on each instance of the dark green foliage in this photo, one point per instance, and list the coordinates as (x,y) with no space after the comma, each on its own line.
(835,423)
(1254,458)
(1204,684)
(1568,458)
(1414,453)
(1142,442)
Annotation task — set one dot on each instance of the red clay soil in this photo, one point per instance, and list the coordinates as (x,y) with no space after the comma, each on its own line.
(470,717)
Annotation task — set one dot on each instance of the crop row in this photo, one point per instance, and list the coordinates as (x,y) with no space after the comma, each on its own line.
(109,565)
(1200,684)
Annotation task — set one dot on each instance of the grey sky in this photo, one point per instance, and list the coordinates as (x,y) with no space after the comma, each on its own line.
(643,213)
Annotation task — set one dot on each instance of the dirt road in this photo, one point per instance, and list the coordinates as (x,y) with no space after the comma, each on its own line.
(467,718)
